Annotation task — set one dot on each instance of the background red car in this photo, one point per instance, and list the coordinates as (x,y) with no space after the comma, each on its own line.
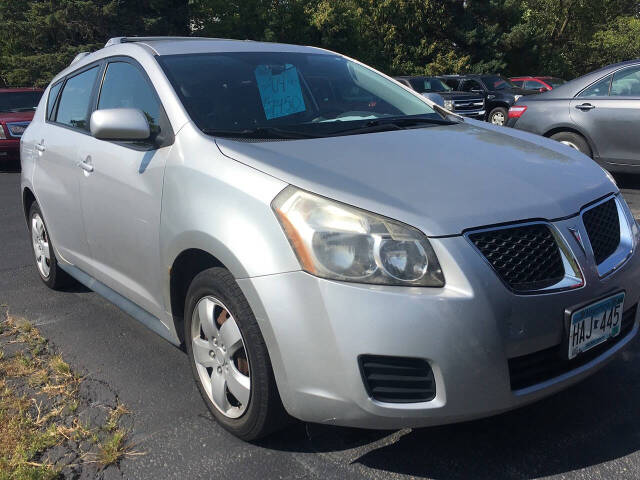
(541,84)
(17,106)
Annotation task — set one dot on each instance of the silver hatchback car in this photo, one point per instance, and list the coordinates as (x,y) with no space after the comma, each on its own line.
(326,243)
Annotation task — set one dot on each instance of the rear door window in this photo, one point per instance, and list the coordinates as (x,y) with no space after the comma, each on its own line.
(125,86)
(533,85)
(75,100)
(626,83)
(598,89)
(53,96)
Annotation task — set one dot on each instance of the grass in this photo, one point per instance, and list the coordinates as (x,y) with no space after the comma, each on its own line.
(38,394)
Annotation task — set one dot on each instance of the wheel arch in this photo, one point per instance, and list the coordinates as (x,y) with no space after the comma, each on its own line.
(572,129)
(28,199)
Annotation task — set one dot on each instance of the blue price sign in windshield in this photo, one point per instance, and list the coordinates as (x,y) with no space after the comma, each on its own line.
(279,90)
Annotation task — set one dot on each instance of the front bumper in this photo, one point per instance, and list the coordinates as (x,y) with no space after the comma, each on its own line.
(315,330)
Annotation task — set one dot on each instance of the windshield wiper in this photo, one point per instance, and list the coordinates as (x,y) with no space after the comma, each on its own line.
(384,125)
(260,133)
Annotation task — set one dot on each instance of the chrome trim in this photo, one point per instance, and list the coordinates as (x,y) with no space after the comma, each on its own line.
(573,275)
(16,124)
(626,246)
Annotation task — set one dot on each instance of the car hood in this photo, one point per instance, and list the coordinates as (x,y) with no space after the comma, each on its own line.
(16,116)
(441,179)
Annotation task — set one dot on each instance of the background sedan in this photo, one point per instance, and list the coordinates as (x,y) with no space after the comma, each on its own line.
(598,114)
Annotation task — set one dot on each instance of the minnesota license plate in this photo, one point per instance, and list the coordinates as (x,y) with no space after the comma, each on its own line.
(594,324)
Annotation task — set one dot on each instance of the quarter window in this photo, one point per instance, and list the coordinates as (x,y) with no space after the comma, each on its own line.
(125,86)
(626,83)
(53,95)
(598,89)
(73,109)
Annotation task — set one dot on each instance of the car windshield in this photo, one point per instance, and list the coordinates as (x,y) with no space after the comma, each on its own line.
(554,82)
(424,85)
(496,82)
(288,94)
(19,101)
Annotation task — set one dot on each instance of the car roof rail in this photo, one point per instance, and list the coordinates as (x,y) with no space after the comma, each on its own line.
(119,40)
(79,57)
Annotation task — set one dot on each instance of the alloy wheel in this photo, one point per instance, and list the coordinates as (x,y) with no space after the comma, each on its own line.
(220,356)
(40,240)
(497,118)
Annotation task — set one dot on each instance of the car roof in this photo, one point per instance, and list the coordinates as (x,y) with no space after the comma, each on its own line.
(190,45)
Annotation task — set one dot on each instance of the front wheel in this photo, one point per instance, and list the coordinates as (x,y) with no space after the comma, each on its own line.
(573,140)
(498,116)
(229,357)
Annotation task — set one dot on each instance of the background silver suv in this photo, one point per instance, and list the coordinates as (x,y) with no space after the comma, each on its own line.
(325,242)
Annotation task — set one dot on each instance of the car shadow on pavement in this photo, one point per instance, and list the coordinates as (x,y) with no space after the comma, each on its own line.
(591,423)
(9,166)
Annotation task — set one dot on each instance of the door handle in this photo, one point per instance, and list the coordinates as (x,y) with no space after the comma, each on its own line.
(585,107)
(40,146)
(86,165)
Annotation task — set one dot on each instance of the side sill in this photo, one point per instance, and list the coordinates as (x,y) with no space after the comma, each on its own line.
(144,317)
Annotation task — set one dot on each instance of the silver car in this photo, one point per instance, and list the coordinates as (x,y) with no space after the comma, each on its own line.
(326,243)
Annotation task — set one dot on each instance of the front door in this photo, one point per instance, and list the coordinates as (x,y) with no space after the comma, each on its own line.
(122,194)
(57,176)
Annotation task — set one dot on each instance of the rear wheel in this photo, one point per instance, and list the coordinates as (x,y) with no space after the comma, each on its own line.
(229,357)
(498,116)
(573,140)
(47,264)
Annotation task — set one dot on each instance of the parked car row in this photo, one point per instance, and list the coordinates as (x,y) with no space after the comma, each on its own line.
(485,97)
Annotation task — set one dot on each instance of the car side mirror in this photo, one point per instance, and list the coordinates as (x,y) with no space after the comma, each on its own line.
(124,124)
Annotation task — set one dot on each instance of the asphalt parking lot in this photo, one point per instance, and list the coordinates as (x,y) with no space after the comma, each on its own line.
(591,431)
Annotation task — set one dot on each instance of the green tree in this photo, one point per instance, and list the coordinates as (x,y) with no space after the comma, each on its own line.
(38,38)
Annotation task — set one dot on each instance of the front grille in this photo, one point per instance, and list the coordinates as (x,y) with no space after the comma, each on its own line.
(470,104)
(397,379)
(525,257)
(546,364)
(603,227)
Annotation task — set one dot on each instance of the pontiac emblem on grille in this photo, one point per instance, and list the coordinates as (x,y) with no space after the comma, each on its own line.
(576,234)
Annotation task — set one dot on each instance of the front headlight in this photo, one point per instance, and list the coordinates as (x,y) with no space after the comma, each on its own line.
(339,242)
(448,104)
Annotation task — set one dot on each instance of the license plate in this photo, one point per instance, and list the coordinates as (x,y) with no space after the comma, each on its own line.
(594,324)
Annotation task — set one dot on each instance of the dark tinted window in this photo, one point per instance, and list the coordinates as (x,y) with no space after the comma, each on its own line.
(19,101)
(598,89)
(452,82)
(428,84)
(471,85)
(53,94)
(125,86)
(517,83)
(496,82)
(533,85)
(626,83)
(73,109)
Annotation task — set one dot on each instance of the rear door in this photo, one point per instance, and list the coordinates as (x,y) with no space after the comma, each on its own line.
(122,195)
(57,173)
(609,112)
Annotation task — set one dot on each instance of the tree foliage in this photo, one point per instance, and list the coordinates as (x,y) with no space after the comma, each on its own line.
(558,37)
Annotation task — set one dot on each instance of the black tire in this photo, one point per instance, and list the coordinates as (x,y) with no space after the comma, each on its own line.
(497,115)
(264,413)
(573,140)
(57,278)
